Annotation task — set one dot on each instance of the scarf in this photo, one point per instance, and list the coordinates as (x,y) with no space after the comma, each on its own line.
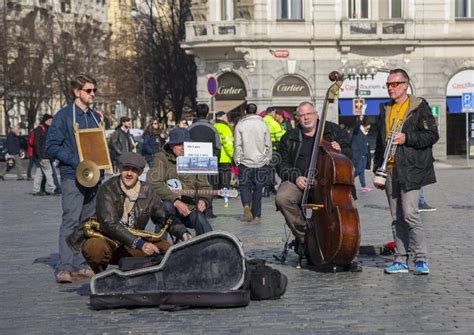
(131,196)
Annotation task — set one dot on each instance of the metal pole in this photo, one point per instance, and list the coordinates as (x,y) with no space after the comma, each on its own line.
(5,66)
(467,138)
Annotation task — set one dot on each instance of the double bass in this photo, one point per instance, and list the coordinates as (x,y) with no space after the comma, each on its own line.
(332,221)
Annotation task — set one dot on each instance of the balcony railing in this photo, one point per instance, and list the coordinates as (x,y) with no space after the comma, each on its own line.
(206,31)
(380,30)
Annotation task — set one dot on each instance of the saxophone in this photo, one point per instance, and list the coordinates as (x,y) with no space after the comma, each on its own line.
(92,229)
(381,173)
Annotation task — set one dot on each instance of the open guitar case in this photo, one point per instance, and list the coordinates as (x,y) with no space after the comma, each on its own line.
(207,271)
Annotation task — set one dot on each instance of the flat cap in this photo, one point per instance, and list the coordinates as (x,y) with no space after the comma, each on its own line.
(132,159)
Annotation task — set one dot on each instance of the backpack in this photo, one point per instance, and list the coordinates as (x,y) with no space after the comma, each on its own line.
(263,281)
(31,140)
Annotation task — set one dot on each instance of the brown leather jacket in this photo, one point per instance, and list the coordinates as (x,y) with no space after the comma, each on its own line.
(109,211)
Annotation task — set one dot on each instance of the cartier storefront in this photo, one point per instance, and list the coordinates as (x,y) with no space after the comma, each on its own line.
(289,91)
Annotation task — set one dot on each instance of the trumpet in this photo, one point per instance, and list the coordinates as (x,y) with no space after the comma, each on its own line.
(92,229)
(381,173)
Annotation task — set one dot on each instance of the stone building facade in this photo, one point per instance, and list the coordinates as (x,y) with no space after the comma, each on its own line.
(277,53)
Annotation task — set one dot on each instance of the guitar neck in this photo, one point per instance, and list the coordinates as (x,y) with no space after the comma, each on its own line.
(193,192)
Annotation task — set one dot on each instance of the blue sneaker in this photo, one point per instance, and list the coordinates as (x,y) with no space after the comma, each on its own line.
(396,267)
(421,268)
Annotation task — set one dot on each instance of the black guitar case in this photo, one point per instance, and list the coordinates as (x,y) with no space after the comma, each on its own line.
(207,271)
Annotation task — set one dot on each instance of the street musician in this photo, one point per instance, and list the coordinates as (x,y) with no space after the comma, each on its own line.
(124,206)
(407,153)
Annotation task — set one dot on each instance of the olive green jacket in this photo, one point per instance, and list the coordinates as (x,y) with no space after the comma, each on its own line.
(163,171)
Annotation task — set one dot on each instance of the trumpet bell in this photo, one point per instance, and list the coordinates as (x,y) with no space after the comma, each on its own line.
(87,173)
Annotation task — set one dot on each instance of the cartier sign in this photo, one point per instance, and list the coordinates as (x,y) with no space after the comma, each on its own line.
(231,87)
(291,86)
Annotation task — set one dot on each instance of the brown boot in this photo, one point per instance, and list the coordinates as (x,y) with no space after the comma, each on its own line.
(83,273)
(63,277)
(247,213)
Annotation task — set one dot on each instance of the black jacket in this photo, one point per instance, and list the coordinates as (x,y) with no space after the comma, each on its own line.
(414,159)
(40,142)
(202,131)
(290,146)
(13,143)
(120,142)
(109,211)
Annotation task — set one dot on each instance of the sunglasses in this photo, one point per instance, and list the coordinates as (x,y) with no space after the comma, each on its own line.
(89,90)
(394,84)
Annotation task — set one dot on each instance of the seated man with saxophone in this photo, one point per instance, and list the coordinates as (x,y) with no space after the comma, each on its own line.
(124,206)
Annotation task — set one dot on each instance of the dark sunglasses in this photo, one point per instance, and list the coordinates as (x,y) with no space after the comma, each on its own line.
(394,84)
(89,90)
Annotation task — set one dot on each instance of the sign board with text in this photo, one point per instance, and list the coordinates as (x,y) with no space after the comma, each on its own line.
(358,106)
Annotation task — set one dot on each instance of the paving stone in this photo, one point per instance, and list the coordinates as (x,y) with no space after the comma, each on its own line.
(315,302)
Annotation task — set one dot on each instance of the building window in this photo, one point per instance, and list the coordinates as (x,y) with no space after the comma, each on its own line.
(289,9)
(227,10)
(390,9)
(359,9)
(464,9)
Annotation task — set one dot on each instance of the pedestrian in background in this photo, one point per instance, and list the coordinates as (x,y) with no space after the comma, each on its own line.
(252,154)
(42,162)
(151,141)
(227,149)
(13,149)
(121,141)
(360,151)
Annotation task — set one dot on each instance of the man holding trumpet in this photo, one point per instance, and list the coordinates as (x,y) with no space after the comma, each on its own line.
(403,163)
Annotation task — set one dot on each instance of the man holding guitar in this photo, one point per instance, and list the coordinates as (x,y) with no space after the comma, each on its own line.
(189,203)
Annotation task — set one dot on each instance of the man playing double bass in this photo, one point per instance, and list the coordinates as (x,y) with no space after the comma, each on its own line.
(295,151)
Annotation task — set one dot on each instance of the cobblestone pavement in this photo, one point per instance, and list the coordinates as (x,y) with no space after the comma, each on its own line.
(315,302)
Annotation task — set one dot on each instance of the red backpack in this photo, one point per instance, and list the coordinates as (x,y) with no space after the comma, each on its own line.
(31,141)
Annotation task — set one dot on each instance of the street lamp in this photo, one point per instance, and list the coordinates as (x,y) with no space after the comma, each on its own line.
(357,73)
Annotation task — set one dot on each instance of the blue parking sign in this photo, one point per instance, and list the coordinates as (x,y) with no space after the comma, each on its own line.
(467,102)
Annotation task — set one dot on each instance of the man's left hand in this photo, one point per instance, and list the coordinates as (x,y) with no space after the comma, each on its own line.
(186,237)
(201,205)
(400,138)
(336,146)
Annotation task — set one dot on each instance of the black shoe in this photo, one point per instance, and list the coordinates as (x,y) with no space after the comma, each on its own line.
(353,267)
(29,178)
(40,193)
(2,178)
(21,178)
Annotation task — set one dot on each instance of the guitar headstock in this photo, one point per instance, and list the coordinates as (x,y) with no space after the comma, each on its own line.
(228,193)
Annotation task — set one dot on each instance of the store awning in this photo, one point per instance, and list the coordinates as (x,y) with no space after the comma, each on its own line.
(373,106)
(454,104)
(228,105)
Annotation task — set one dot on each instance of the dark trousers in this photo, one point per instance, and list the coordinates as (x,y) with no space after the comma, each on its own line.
(251,181)
(99,253)
(196,220)
(225,175)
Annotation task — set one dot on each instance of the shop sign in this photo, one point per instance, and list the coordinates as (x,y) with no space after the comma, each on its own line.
(291,86)
(281,53)
(369,88)
(230,87)
(461,82)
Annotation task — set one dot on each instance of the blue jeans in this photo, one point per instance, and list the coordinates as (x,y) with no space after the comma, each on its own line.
(360,169)
(421,199)
(195,220)
(251,181)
